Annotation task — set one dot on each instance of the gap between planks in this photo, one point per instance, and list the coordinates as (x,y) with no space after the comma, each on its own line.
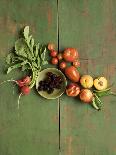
(59,147)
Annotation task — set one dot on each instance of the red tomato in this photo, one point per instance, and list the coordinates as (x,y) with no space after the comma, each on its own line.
(59,56)
(76,63)
(53,53)
(72,73)
(51,46)
(62,65)
(72,90)
(54,61)
(70,54)
(71,85)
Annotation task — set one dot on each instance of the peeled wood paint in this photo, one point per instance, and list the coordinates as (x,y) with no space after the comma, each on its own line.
(83,131)
(69,145)
(97,53)
(36,128)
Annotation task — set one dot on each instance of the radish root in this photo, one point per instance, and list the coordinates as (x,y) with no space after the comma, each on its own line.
(19,100)
(8,81)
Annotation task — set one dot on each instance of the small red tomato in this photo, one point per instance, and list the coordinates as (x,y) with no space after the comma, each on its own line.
(27,80)
(53,53)
(59,56)
(51,46)
(62,65)
(54,61)
(70,54)
(25,90)
(72,90)
(76,63)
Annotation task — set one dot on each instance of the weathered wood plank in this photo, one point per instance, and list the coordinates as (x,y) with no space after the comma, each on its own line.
(33,129)
(90,26)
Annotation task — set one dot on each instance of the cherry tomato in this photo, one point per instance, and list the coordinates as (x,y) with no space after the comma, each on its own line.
(53,53)
(76,63)
(54,61)
(62,65)
(72,90)
(72,73)
(70,54)
(51,46)
(59,56)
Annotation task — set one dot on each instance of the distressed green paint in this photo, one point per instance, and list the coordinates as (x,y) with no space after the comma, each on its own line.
(91,27)
(33,129)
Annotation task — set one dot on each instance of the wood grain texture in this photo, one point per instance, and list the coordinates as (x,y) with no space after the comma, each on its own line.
(33,129)
(89,26)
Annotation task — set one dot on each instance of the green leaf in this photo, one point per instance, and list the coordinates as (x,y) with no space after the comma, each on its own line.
(38,61)
(25,67)
(32,43)
(34,64)
(98,101)
(26,32)
(43,54)
(113,93)
(36,50)
(28,40)
(22,49)
(79,69)
(16,66)
(44,62)
(103,93)
(94,104)
(21,58)
(10,58)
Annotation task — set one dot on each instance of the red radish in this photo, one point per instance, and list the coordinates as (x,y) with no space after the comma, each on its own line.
(25,90)
(26,80)
(20,83)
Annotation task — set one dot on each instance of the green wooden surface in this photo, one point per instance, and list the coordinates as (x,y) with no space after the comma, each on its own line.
(33,129)
(90,26)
